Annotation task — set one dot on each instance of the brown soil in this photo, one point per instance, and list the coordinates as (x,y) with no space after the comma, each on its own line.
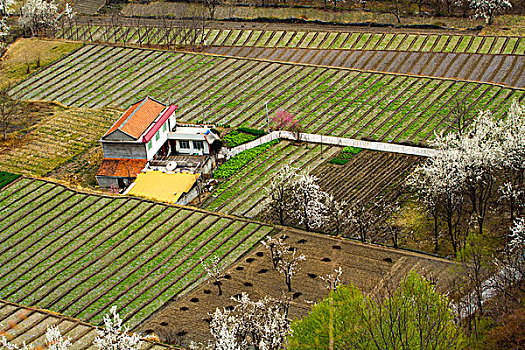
(370,267)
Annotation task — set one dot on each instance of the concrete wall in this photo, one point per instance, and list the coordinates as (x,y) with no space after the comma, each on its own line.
(124,150)
(157,144)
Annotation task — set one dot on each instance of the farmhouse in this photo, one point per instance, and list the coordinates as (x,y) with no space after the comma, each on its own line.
(147,138)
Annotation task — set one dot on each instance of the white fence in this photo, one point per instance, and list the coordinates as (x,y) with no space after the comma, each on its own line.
(336,141)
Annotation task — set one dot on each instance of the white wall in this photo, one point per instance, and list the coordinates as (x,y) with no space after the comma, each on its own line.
(157,144)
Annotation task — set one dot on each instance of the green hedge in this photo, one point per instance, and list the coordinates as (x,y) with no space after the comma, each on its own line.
(257,132)
(6,178)
(236,138)
(346,154)
(234,164)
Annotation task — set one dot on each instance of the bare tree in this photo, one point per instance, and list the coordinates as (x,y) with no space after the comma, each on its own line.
(363,218)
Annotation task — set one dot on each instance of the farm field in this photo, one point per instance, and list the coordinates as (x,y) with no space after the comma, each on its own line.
(500,69)
(370,267)
(329,101)
(56,138)
(31,325)
(79,254)
(367,175)
(312,39)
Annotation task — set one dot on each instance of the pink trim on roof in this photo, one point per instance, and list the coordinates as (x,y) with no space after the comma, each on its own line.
(149,135)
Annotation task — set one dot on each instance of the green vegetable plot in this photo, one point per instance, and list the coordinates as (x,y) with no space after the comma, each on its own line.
(6,178)
(79,254)
(303,39)
(329,101)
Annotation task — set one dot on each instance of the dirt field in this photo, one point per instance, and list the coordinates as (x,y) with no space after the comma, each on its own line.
(367,266)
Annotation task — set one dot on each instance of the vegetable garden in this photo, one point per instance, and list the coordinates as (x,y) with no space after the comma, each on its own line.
(78,254)
(158,36)
(6,178)
(501,69)
(329,101)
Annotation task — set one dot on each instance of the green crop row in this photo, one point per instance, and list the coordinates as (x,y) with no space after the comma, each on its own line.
(6,178)
(237,162)
(345,155)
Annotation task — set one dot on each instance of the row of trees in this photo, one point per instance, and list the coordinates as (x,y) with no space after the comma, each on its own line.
(297,199)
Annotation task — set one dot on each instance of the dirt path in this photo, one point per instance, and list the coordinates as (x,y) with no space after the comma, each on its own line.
(157,22)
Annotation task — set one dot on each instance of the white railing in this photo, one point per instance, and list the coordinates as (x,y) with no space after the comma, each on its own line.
(336,141)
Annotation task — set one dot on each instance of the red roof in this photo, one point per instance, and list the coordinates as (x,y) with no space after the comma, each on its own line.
(159,123)
(118,167)
(137,119)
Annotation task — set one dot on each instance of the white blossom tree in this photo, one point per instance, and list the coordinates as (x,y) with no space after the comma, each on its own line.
(277,247)
(259,325)
(337,213)
(309,202)
(284,259)
(214,271)
(279,191)
(38,15)
(488,9)
(362,218)
(54,341)
(115,336)
(6,9)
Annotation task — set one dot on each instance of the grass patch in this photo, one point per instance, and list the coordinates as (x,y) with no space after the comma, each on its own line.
(32,53)
(346,154)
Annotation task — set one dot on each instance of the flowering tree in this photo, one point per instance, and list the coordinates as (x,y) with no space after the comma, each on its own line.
(5,11)
(114,336)
(54,341)
(279,191)
(38,15)
(283,120)
(488,9)
(308,199)
(276,246)
(337,213)
(214,271)
(260,325)
(288,265)
(513,159)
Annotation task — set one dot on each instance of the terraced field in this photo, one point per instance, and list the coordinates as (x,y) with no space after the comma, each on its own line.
(159,36)
(31,326)
(57,138)
(366,176)
(501,69)
(79,254)
(330,101)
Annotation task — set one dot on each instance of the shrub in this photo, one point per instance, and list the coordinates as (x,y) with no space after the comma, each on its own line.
(234,164)
(236,138)
(257,132)
(346,154)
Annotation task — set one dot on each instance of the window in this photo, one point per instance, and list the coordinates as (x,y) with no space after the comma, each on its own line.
(157,136)
(184,144)
(164,127)
(150,145)
(198,144)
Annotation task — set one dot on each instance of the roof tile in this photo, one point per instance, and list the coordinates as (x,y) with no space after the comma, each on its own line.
(118,167)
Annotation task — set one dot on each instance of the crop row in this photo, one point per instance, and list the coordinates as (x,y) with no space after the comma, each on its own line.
(330,101)
(176,36)
(6,178)
(79,254)
(501,69)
